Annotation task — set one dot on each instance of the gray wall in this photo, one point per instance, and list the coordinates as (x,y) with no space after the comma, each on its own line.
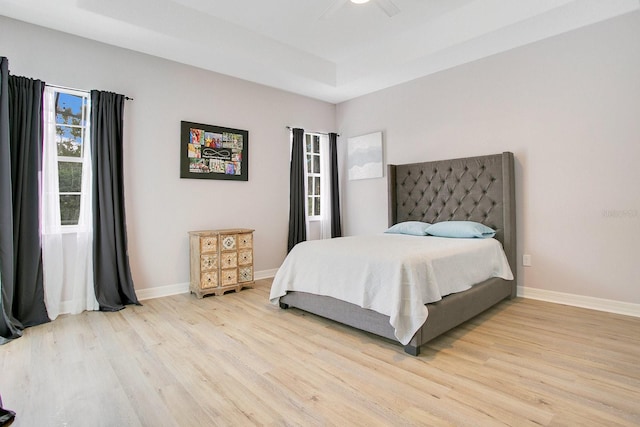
(161,207)
(569,108)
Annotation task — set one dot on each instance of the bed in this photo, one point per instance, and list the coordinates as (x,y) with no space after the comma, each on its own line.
(479,189)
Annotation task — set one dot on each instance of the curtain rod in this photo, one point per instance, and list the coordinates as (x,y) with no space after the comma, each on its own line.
(317,133)
(79,90)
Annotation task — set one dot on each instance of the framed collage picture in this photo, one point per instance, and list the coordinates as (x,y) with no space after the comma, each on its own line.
(213,152)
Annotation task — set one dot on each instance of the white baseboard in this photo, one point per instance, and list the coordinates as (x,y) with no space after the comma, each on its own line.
(162,291)
(181,288)
(600,304)
(265,274)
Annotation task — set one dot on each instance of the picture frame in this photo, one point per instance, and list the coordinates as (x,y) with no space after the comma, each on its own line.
(213,152)
(364,156)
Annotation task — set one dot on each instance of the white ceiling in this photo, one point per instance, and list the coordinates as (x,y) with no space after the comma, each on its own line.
(290,45)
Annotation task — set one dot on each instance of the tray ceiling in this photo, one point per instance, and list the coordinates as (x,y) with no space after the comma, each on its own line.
(293,45)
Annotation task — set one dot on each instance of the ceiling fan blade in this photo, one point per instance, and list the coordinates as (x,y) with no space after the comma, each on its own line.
(388,7)
(333,8)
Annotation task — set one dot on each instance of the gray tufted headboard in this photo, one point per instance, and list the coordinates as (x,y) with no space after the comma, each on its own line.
(480,189)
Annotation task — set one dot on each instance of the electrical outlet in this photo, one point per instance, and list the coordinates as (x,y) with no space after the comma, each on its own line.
(526,260)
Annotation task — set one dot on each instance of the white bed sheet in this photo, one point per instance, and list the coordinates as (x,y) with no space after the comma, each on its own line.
(393,274)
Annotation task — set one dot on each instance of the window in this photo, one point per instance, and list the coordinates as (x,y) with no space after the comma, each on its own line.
(314,175)
(71,139)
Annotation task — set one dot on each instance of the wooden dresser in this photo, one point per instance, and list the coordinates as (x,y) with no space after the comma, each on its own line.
(221,260)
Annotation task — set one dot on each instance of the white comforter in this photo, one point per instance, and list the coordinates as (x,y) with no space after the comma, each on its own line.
(393,274)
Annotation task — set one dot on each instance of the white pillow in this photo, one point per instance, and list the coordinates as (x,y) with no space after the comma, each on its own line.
(414,228)
(460,229)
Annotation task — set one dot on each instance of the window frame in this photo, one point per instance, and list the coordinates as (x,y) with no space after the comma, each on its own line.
(309,162)
(84,137)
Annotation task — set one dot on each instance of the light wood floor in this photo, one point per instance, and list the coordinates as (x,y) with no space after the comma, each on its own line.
(237,360)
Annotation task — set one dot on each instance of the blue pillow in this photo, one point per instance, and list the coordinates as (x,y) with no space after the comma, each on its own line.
(460,229)
(414,228)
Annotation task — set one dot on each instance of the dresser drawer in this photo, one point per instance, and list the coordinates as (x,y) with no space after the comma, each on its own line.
(209,280)
(245,257)
(209,244)
(228,242)
(245,241)
(229,276)
(245,274)
(228,259)
(208,262)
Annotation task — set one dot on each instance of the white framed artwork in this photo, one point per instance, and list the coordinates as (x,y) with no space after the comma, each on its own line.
(364,156)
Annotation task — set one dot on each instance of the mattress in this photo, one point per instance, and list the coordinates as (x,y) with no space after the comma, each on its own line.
(392,274)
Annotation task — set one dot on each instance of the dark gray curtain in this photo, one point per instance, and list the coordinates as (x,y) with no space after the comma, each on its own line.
(20,164)
(112,274)
(9,325)
(336,227)
(297,196)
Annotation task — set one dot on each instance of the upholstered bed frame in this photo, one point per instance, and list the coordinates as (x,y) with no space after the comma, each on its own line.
(480,189)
